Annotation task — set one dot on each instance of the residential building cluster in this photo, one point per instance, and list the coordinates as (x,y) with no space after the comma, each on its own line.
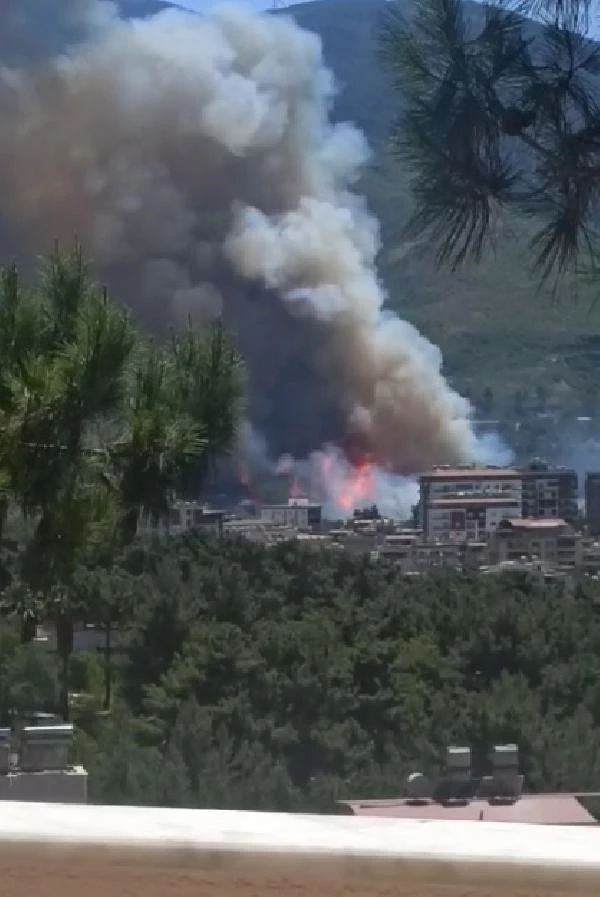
(458,503)
(475,518)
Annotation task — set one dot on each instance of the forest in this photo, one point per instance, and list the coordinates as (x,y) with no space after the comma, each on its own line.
(289,677)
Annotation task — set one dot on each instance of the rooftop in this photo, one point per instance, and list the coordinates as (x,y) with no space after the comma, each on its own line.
(541,809)
(496,473)
(534,523)
(469,473)
(481,501)
(290,503)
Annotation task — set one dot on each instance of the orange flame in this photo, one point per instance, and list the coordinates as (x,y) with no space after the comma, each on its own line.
(351,487)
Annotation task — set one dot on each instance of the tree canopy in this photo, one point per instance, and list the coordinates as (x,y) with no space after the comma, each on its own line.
(286,678)
(98,425)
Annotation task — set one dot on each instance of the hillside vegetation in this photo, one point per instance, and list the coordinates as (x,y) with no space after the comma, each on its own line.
(287,678)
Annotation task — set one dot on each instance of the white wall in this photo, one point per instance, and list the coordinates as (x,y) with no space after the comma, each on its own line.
(72,850)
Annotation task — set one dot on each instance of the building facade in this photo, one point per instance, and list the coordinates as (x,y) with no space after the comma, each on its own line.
(549,540)
(184,516)
(467,502)
(297,513)
(468,519)
(592,503)
(549,492)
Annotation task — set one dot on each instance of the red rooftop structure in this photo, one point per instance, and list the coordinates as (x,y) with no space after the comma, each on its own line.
(492,798)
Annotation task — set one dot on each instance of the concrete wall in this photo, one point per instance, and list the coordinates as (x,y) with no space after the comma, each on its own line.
(66,871)
(95,851)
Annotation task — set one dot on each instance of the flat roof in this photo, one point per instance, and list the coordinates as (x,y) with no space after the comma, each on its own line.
(460,502)
(289,505)
(541,809)
(534,522)
(470,473)
(211,831)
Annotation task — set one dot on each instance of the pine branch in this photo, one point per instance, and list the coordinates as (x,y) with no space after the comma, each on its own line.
(492,122)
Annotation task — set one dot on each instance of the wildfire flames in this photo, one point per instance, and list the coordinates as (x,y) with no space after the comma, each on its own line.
(340,485)
(327,477)
(348,486)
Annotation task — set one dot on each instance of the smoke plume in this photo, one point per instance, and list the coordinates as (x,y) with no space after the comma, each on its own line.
(195,159)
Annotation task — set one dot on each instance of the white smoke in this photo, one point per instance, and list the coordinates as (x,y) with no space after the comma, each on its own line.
(196,160)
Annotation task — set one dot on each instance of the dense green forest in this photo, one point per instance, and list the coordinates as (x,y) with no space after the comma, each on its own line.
(288,677)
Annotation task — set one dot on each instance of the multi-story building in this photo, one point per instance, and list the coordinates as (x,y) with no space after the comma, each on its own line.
(588,559)
(412,555)
(549,492)
(468,519)
(467,502)
(470,501)
(183,517)
(592,503)
(549,540)
(298,513)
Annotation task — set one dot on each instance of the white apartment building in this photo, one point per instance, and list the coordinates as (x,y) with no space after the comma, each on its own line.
(468,503)
(468,519)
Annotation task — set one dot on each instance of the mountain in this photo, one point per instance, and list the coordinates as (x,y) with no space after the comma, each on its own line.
(19,41)
(500,333)
(348,30)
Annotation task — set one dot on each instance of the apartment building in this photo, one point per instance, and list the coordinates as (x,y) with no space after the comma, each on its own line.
(592,503)
(549,540)
(297,513)
(412,555)
(467,503)
(549,492)
(588,556)
(184,516)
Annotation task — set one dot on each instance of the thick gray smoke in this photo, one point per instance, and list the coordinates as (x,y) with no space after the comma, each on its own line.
(195,159)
